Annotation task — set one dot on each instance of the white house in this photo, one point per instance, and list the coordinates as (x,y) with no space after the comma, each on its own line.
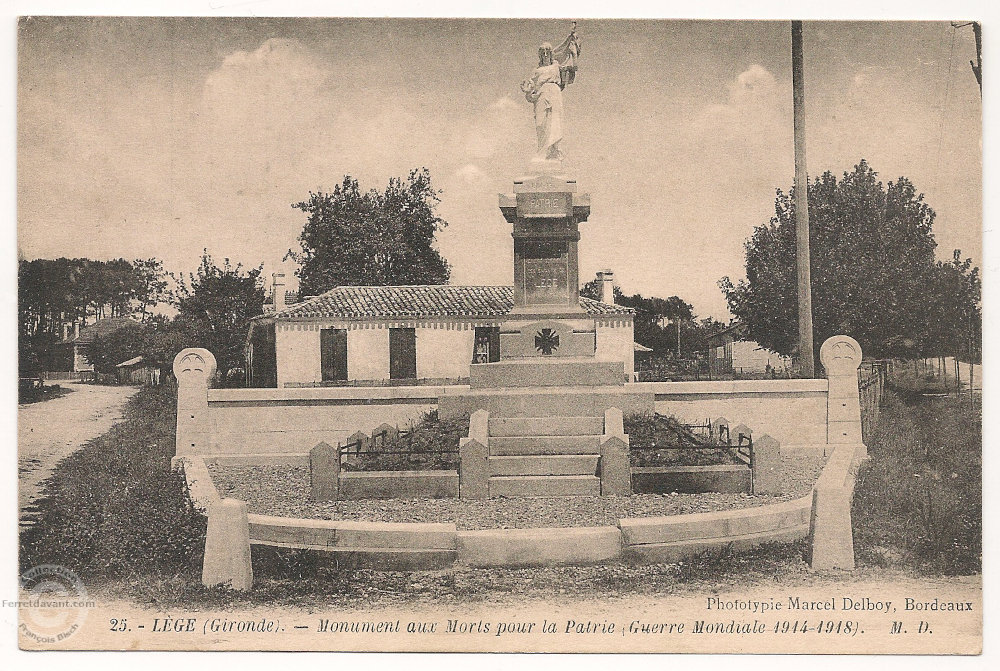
(70,353)
(730,352)
(414,334)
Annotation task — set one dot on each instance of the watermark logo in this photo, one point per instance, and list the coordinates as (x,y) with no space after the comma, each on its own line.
(53,603)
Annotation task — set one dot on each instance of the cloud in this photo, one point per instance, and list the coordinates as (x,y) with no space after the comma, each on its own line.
(753,85)
(496,128)
(272,76)
(504,104)
(753,97)
(470,173)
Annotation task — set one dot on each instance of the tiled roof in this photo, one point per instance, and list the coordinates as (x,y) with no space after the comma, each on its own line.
(420,301)
(101,327)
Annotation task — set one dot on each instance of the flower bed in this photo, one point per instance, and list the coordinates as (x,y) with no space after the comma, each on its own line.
(676,443)
(429,445)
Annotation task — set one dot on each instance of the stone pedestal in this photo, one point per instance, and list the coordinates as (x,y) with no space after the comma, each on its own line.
(548,340)
(546,212)
(538,425)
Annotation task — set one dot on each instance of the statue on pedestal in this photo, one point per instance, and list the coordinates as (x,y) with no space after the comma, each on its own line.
(556,69)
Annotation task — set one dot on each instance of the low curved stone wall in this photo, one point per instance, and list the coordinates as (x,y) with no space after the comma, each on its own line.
(821,516)
(655,540)
(380,545)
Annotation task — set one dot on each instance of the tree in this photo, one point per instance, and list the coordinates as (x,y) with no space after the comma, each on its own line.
(55,292)
(151,285)
(371,238)
(215,306)
(955,303)
(873,267)
(157,341)
(657,320)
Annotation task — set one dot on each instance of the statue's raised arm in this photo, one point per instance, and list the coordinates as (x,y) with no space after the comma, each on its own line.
(556,69)
(567,55)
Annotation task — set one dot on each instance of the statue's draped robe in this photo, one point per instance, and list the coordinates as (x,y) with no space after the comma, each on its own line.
(546,93)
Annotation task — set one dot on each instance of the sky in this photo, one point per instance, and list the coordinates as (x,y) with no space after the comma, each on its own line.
(142,137)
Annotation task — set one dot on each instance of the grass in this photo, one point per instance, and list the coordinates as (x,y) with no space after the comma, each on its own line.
(906,382)
(918,501)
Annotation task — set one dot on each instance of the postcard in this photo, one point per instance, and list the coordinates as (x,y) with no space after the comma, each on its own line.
(499,335)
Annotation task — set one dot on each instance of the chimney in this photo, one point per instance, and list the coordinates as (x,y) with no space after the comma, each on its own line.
(606,284)
(76,330)
(278,291)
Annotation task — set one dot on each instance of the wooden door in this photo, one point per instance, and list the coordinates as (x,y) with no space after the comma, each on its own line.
(402,354)
(333,354)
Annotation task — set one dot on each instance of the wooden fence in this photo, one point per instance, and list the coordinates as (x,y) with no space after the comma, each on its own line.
(67,375)
(872,377)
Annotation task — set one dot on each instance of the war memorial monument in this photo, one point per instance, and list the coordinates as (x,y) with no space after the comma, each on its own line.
(546,418)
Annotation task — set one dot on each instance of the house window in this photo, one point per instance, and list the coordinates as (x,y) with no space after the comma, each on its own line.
(487,344)
(402,354)
(720,352)
(333,354)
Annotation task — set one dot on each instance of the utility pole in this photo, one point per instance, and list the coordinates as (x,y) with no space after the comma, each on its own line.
(678,321)
(977,65)
(806,358)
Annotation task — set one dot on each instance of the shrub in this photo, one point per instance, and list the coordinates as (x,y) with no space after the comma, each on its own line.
(114,508)
(648,430)
(31,393)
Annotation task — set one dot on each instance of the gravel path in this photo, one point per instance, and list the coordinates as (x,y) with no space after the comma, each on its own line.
(48,431)
(284,491)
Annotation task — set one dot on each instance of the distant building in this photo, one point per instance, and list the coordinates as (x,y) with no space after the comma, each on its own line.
(70,353)
(399,335)
(137,371)
(729,352)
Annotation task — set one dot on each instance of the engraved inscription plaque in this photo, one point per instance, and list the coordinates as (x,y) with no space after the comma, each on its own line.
(545,205)
(546,272)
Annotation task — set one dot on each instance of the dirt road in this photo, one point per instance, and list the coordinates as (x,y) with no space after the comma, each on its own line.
(50,430)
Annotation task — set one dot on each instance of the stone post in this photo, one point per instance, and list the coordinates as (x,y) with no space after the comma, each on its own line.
(227,546)
(739,430)
(385,429)
(830,530)
(194,368)
(841,357)
(765,462)
(473,452)
(717,428)
(363,438)
(324,472)
(616,471)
